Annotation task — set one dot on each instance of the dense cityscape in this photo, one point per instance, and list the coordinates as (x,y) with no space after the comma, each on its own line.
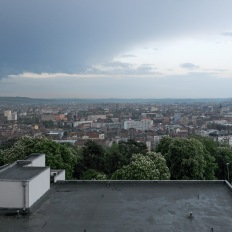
(106,123)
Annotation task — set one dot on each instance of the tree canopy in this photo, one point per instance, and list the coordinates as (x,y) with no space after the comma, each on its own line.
(223,158)
(91,174)
(106,160)
(175,158)
(92,157)
(58,156)
(151,166)
(188,158)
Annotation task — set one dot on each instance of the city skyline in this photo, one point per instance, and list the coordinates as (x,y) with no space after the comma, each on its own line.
(116,49)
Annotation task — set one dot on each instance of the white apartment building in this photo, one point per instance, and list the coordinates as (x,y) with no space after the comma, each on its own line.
(145,124)
(78,123)
(7,113)
(10,116)
(96,117)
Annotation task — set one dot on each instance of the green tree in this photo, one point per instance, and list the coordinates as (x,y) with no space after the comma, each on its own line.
(210,145)
(91,174)
(92,157)
(211,166)
(224,156)
(115,159)
(160,164)
(187,159)
(163,145)
(120,154)
(58,156)
(210,149)
(8,143)
(127,149)
(151,166)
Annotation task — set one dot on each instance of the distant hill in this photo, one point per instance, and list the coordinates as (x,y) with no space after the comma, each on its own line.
(20,100)
(28,101)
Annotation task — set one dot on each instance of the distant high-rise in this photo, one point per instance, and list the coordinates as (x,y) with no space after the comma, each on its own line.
(117,107)
(176,118)
(7,113)
(145,124)
(13,117)
(10,116)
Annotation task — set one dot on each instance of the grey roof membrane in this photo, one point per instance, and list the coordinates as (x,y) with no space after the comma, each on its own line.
(129,206)
(20,172)
(34,156)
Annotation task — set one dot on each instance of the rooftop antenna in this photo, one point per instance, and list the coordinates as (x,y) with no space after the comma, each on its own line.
(17,213)
(190,216)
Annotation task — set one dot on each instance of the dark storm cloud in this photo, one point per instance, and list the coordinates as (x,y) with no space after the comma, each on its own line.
(68,36)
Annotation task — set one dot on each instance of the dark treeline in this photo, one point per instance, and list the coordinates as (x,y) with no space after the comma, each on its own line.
(193,158)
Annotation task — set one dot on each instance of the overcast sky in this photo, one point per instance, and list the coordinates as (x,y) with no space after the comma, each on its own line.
(116,48)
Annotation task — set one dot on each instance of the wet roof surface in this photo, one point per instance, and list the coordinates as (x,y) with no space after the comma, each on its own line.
(34,156)
(20,172)
(127,207)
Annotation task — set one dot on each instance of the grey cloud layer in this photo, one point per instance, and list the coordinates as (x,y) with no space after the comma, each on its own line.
(68,36)
(116,67)
(128,86)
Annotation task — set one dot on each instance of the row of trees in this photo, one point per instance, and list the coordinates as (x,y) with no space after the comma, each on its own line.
(175,158)
(126,160)
(58,156)
(197,158)
(106,162)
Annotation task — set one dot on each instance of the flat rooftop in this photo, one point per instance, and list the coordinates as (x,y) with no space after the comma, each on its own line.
(18,172)
(129,206)
(34,156)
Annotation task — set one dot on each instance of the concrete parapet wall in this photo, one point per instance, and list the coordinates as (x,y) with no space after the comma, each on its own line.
(145,182)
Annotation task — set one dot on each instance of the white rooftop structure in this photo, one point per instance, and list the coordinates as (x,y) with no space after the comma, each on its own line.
(24,182)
